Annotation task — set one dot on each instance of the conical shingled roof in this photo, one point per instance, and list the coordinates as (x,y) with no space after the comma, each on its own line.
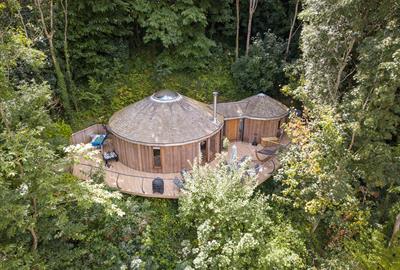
(258,106)
(165,118)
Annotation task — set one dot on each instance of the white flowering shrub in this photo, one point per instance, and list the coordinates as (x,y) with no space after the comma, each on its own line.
(234,227)
(77,152)
(225,143)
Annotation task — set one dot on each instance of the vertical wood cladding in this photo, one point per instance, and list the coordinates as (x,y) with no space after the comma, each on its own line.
(176,158)
(173,158)
(232,129)
(252,128)
(259,128)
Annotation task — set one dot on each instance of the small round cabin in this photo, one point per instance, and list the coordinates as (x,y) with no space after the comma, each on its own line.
(164,132)
(252,118)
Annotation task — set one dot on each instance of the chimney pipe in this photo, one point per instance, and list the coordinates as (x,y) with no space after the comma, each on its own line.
(215,94)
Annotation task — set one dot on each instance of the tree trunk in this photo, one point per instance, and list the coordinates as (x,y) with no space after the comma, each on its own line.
(291,28)
(49,33)
(396,229)
(60,80)
(252,9)
(70,80)
(248,34)
(35,238)
(68,72)
(237,28)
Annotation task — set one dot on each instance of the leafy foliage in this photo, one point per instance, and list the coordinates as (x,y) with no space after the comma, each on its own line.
(97,34)
(141,79)
(335,200)
(343,165)
(49,218)
(262,69)
(232,229)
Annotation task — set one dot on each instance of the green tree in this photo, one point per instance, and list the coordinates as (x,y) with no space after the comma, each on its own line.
(180,28)
(231,226)
(342,168)
(98,37)
(262,69)
(50,219)
(47,18)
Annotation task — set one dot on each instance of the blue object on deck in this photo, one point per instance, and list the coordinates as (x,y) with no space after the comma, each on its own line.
(98,140)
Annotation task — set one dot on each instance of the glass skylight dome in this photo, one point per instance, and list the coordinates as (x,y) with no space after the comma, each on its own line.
(165,96)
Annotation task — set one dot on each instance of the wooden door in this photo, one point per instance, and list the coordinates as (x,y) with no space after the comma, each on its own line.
(232,129)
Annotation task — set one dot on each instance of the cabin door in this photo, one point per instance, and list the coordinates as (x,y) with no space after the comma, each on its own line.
(232,129)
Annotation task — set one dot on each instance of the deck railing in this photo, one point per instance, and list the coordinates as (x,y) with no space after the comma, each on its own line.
(84,135)
(85,175)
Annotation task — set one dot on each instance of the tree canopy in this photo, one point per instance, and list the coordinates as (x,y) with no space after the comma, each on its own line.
(334,203)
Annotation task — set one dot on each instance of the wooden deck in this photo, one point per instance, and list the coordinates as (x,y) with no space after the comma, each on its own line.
(139,183)
(128,180)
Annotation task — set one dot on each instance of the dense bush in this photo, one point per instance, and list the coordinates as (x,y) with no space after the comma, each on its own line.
(232,227)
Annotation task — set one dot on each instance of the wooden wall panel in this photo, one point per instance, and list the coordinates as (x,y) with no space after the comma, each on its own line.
(191,153)
(168,159)
(173,158)
(232,129)
(215,142)
(177,158)
(259,128)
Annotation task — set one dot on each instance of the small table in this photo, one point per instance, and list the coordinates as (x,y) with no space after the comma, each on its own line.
(108,156)
(269,141)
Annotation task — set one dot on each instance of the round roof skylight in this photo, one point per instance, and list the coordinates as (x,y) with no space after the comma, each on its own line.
(165,96)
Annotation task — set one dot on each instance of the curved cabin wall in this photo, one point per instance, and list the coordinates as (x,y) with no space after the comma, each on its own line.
(173,158)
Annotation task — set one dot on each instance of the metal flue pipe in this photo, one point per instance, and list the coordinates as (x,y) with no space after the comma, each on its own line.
(215,94)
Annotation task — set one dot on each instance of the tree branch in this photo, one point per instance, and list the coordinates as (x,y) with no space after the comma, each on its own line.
(396,229)
(23,23)
(343,66)
(51,17)
(43,21)
(237,28)
(34,238)
(32,229)
(291,28)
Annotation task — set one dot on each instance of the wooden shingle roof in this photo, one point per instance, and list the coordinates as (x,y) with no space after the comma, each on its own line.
(165,118)
(258,106)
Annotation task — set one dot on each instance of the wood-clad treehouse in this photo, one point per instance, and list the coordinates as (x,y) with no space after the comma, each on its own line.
(252,118)
(151,141)
(164,132)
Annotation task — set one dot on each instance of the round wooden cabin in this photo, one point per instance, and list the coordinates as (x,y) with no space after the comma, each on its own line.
(165,132)
(252,118)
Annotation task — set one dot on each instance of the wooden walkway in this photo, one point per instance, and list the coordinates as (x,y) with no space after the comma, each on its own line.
(134,182)
(128,180)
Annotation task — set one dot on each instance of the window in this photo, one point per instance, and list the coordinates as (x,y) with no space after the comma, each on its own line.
(241,129)
(204,152)
(156,157)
